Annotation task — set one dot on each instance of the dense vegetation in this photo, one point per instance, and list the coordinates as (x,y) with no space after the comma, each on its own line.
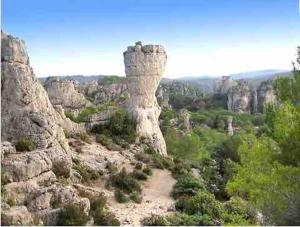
(252,177)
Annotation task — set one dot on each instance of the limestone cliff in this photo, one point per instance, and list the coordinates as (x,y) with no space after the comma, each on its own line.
(27,112)
(239,98)
(265,95)
(144,66)
(63,92)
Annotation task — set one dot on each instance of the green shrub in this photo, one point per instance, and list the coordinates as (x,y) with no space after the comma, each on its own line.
(100,215)
(155,220)
(138,165)
(107,80)
(106,219)
(125,182)
(147,170)
(86,173)
(25,144)
(187,186)
(182,219)
(203,203)
(112,168)
(143,157)
(161,162)
(120,196)
(239,209)
(103,139)
(136,197)
(139,175)
(72,215)
(83,136)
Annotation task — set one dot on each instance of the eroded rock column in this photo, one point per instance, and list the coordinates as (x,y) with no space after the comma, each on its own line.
(144,66)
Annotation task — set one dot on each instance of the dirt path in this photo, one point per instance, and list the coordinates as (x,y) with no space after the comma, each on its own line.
(156,199)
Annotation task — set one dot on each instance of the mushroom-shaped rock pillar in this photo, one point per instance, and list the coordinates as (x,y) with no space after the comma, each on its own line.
(144,66)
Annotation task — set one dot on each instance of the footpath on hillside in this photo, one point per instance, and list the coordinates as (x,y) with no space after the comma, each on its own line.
(156,200)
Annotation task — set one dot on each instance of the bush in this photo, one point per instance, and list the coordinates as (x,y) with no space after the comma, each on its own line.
(136,197)
(138,165)
(155,220)
(139,175)
(125,182)
(182,219)
(239,212)
(143,157)
(187,186)
(203,203)
(72,215)
(147,170)
(103,139)
(100,215)
(112,168)
(120,196)
(86,173)
(25,144)
(84,137)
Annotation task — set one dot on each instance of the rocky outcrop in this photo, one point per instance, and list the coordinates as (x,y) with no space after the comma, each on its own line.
(224,84)
(28,112)
(116,92)
(229,126)
(265,95)
(144,66)
(239,98)
(184,117)
(26,108)
(63,92)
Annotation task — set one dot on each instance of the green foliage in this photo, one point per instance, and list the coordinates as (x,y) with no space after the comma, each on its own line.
(83,136)
(72,215)
(203,203)
(264,181)
(286,131)
(147,170)
(136,197)
(143,157)
(120,196)
(87,174)
(107,80)
(155,220)
(99,213)
(125,182)
(182,219)
(25,144)
(187,185)
(121,128)
(185,147)
(139,175)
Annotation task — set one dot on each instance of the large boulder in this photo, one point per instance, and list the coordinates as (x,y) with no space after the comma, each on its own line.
(144,66)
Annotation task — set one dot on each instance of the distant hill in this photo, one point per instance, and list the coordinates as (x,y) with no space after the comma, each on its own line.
(79,78)
(255,74)
(206,83)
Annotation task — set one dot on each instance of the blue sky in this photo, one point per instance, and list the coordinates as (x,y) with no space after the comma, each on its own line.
(201,37)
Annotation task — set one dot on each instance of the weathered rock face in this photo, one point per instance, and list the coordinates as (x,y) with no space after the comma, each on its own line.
(116,92)
(224,84)
(265,95)
(239,98)
(26,108)
(144,66)
(28,112)
(184,117)
(63,92)
(229,126)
